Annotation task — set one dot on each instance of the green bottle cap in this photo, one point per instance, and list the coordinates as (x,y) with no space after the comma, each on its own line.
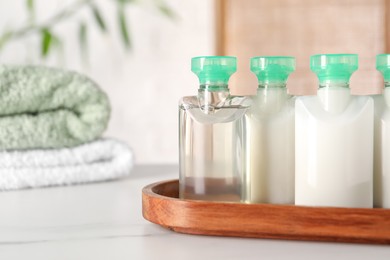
(383,65)
(214,71)
(334,67)
(270,69)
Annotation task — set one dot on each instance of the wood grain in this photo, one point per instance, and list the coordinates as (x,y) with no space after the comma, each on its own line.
(160,205)
(386,26)
(220,30)
(301,28)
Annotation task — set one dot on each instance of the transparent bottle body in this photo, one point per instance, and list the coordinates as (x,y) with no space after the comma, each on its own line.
(270,147)
(211,144)
(382,150)
(334,146)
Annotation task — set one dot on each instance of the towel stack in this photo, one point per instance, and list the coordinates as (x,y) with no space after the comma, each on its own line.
(50,126)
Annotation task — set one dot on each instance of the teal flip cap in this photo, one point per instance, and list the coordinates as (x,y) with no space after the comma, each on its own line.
(331,67)
(214,70)
(383,65)
(272,68)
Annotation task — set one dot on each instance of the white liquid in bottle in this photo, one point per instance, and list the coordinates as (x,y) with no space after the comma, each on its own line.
(334,153)
(382,138)
(334,147)
(270,134)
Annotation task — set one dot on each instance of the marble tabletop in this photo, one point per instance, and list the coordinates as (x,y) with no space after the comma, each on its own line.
(104,221)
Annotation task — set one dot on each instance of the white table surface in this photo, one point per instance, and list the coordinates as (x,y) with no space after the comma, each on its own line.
(104,221)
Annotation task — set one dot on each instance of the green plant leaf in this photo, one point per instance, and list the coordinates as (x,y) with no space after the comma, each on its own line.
(122,2)
(83,41)
(99,18)
(166,10)
(5,38)
(123,28)
(46,41)
(83,36)
(30,5)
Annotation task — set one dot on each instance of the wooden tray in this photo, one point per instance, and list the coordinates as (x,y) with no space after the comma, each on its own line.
(160,205)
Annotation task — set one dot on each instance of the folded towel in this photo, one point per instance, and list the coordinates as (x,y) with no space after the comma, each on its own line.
(100,160)
(49,108)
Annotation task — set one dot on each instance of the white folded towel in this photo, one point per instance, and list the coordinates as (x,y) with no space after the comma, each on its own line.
(100,160)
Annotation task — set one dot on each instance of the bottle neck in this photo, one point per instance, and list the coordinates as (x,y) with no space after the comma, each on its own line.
(386,94)
(334,97)
(271,84)
(387,84)
(218,86)
(271,98)
(334,84)
(212,98)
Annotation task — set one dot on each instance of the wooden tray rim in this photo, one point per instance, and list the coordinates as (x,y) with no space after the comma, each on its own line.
(372,225)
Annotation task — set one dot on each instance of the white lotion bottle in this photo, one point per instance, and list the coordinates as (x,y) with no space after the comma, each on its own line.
(270,134)
(334,139)
(382,137)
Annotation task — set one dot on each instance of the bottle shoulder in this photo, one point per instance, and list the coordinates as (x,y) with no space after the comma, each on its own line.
(231,109)
(381,107)
(188,100)
(265,106)
(312,107)
(361,100)
(230,101)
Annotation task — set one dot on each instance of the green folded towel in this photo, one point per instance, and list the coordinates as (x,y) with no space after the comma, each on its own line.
(49,108)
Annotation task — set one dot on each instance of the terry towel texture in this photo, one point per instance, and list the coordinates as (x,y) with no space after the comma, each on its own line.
(100,160)
(49,108)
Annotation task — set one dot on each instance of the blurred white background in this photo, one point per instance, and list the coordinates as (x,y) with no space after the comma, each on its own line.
(143,84)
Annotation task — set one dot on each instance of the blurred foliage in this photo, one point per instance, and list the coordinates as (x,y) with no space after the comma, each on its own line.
(50,40)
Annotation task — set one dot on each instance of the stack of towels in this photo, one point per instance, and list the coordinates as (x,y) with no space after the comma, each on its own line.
(51,122)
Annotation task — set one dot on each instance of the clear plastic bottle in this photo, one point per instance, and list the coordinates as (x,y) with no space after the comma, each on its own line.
(334,139)
(382,137)
(270,133)
(211,134)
